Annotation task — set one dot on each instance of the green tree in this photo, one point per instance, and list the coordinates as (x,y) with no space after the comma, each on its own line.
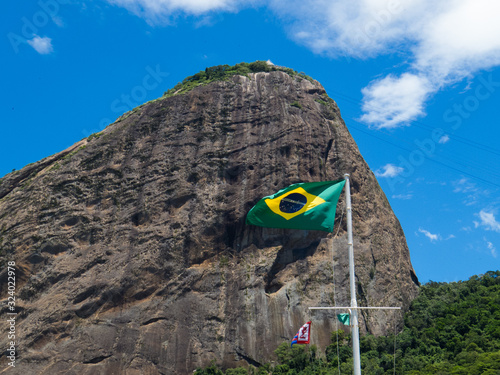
(210,370)
(450,329)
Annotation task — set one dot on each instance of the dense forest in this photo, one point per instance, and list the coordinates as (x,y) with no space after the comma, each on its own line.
(451,328)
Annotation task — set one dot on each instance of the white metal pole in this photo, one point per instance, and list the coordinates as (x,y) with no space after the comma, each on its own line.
(354,304)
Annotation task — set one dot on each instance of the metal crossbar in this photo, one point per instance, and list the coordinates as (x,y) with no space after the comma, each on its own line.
(351,307)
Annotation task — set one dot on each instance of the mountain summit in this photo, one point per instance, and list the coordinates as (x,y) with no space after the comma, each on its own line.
(131,251)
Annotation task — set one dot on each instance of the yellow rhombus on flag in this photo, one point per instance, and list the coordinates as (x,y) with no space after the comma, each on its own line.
(307,205)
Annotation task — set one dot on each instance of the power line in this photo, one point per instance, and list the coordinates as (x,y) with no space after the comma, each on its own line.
(485,168)
(422,125)
(485,148)
(432,160)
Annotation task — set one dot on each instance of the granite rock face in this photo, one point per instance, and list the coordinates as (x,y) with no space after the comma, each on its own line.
(132,254)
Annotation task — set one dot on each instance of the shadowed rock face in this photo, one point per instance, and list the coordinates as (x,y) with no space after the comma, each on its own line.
(132,256)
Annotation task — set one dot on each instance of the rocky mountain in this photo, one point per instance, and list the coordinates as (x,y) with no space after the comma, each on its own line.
(131,251)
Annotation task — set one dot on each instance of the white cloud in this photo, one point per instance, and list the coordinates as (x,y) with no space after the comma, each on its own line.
(158,11)
(58,21)
(492,248)
(444,41)
(429,235)
(454,42)
(403,196)
(444,139)
(464,186)
(488,220)
(460,39)
(389,170)
(42,45)
(358,28)
(441,41)
(392,101)
(472,193)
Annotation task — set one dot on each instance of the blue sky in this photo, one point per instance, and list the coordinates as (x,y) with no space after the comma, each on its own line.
(417,83)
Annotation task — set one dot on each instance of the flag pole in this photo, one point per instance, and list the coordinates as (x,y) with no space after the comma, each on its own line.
(354,304)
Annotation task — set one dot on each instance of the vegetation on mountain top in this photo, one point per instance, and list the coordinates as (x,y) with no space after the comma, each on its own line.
(450,329)
(224,72)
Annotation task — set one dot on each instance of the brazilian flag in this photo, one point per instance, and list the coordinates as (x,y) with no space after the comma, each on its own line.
(307,205)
